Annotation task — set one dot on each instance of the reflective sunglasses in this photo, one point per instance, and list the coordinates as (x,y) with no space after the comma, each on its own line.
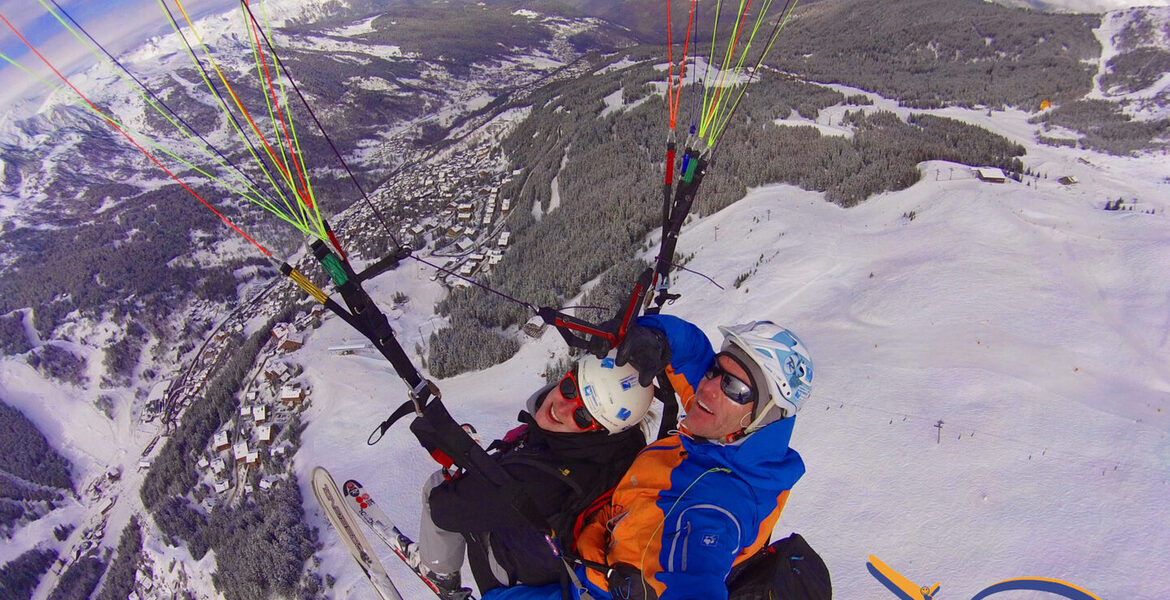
(734,388)
(571,391)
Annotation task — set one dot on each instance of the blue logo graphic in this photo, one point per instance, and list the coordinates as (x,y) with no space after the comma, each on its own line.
(709,540)
(624,414)
(628,382)
(607,363)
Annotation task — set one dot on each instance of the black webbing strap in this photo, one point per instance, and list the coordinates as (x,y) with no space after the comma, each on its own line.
(435,428)
(611,331)
(664,391)
(674,215)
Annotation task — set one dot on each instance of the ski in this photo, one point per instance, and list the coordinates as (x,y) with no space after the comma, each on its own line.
(333,504)
(362,504)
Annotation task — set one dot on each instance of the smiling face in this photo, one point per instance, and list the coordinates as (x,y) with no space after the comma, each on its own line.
(556,413)
(712,415)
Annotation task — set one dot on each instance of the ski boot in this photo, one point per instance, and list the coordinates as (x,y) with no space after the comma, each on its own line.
(449,586)
(408,550)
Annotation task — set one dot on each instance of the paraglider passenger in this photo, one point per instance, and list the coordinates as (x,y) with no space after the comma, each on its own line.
(698,502)
(575,441)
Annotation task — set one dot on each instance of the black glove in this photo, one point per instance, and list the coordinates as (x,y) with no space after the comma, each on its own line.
(646,349)
(598,345)
(625,582)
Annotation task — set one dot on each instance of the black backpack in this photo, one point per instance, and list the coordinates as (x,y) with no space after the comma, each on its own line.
(788,569)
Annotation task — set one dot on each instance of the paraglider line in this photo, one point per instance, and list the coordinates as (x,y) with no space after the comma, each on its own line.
(304,190)
(223,103)
(254,185)
(527,305)
(283,168)
(781,20)
(297,89)
(128,137)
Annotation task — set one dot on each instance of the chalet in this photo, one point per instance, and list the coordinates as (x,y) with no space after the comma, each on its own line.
(222,441)
(264,434)
(143,465)
(240,450)
(291,396)
(266,483)
(203,462)
(221,486)
(253,457)
(505,205)
(144,580)
(991,174)
(464,211)
(454,230)
(280,330)
(259,413)
(535,327)
(464,245)
(1067,180)
(276,372)
(292,342)
(504,239)
(245,410)
(218,466)
(253,396)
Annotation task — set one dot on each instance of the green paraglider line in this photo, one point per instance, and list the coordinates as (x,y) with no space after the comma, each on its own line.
(288,109)
(781,22)
(146,96)
(718,111)
(131,139)
(223,106)
(121,127)
(296,164)
(280,167)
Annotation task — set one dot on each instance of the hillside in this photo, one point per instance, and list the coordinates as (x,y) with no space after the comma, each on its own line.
(1026,319)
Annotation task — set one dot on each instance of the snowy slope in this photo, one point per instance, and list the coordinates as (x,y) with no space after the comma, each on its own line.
(1028,320)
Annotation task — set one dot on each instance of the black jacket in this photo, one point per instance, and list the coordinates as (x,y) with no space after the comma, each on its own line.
(562,473)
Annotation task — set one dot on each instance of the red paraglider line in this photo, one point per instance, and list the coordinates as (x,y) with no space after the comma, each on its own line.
(127,136)
(303,190)
(675,93)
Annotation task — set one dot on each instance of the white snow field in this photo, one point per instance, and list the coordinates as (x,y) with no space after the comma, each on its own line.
(1033,324)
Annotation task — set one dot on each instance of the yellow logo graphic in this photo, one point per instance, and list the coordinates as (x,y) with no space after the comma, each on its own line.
(905,589)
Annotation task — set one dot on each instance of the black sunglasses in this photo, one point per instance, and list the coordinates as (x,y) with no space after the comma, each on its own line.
(734,388)
(569,390)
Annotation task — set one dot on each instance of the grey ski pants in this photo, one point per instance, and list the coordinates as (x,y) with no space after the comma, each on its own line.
(440,551)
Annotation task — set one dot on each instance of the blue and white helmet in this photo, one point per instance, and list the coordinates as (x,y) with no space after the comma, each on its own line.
(612,394)
(779,365)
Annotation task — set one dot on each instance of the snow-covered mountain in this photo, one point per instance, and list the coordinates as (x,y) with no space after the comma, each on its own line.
(1081,6)
(991,397)
(1023,317)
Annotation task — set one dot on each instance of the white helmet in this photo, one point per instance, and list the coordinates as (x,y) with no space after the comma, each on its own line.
(779,365)
(611,393)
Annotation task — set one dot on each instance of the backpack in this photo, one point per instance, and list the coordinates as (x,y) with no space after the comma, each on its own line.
(788,569)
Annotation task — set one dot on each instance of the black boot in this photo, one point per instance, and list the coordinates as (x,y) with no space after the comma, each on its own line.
(449,586)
